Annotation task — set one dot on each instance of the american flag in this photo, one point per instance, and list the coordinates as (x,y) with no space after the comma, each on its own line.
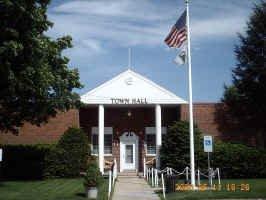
(178,33)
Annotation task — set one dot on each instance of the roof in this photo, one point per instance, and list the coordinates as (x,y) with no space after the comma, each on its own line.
(130,87)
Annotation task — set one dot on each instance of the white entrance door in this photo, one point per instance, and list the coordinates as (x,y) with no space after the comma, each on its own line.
(129,156)
(128,151)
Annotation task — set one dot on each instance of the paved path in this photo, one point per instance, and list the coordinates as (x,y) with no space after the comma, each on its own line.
(133,188)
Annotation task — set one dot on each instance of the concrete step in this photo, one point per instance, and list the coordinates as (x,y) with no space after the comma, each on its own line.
(140,174)
(127,177)
(132,174)
(128,173)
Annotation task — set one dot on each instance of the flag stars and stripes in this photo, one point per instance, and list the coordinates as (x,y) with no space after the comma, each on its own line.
(178,33)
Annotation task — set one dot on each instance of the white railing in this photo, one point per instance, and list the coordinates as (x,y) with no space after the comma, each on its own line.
(144,167)
(112,178)
(198,176)
(211,174)
(152,176)
(163,187)
(114,171)
(110,184)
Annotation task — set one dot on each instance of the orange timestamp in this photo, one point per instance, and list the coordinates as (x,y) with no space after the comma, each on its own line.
(230,187)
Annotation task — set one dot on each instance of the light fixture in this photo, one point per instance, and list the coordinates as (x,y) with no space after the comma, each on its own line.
(129,114)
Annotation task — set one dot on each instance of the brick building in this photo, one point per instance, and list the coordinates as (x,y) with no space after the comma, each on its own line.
(125,118)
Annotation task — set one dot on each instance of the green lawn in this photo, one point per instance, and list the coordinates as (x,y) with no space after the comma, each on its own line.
(54,189)
(257,190)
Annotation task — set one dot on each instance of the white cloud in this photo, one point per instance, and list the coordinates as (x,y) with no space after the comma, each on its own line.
(94,45)
(97,25)
(92,7)
(220,27)
(121,33)
(137,9)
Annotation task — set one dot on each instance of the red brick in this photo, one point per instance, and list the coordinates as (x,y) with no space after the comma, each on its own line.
(46,133)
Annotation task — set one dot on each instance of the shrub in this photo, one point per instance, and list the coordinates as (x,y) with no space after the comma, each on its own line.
(175,146)
(239,161)
(56,162)
(75,142)
(234,160)
(24,161)
(70,155)
(93,176)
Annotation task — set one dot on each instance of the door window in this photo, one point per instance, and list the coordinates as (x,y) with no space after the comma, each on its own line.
(129,153)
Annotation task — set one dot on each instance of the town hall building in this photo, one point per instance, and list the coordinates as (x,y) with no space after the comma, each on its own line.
(125,119)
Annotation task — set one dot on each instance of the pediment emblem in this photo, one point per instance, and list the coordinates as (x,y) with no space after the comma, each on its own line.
(129,81)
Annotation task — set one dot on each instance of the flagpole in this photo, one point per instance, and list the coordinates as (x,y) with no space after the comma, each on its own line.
(129,58)
(191,129)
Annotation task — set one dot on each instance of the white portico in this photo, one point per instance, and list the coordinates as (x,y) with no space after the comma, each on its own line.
(129,90)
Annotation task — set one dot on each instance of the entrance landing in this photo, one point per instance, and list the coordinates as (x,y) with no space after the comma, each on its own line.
(133,188)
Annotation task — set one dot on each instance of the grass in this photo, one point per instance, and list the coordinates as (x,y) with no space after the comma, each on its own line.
(53,189)
(257,190)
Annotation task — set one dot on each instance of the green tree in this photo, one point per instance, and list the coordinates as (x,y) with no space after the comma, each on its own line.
(75,142)
(245,99)
(70,156)
(175,147)
(35,81)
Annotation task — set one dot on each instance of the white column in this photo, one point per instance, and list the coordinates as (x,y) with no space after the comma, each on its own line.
(158,122)
(101,137)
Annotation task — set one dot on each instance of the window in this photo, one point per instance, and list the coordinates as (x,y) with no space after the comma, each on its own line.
(108,140)
(94,141)
(151,143)
(151,139)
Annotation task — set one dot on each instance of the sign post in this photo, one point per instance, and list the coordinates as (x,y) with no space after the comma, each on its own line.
(1,155)
(208,147)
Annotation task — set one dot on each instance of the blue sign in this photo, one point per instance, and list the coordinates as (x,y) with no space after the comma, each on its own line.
(207,142)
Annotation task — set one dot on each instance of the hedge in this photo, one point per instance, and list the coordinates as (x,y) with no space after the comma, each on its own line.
(65,159)
(237,160)
(21,162)
(234,160)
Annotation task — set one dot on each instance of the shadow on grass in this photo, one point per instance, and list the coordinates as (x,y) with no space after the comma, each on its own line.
(2,184)
(81,194)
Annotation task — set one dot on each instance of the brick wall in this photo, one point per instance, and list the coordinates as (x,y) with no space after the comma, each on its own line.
(204,117)
(46,133)
(208,119)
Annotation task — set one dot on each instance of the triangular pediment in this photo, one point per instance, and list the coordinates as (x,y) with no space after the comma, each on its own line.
(130,87)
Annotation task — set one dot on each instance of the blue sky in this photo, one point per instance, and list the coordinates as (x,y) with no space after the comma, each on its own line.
(103,30)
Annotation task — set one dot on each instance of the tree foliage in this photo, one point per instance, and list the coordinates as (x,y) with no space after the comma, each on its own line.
(75,142)
(24,161)
(69,157)
(93,175)
(175,147)
(237,160)
(245,99)
(35,81)
(234,160)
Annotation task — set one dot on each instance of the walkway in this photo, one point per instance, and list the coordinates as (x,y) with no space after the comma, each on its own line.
(133,188)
